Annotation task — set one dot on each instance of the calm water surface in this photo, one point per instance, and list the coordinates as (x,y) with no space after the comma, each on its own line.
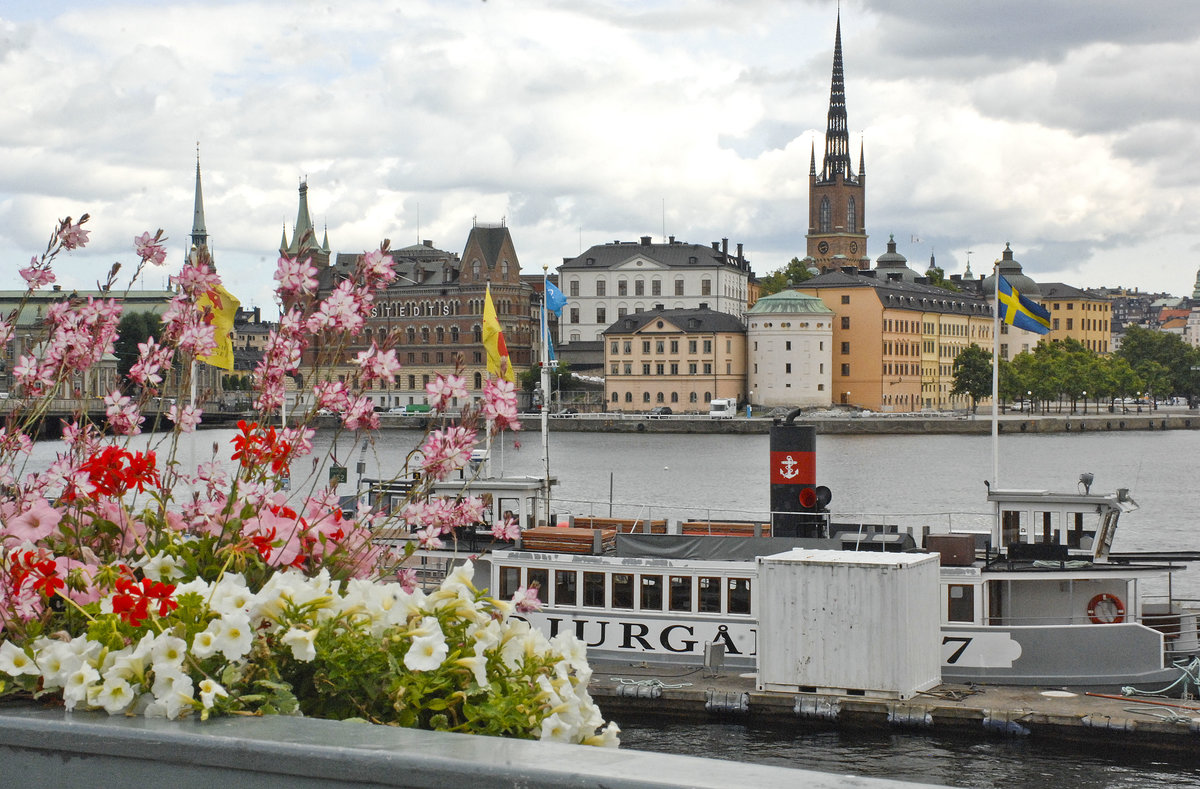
(871,477)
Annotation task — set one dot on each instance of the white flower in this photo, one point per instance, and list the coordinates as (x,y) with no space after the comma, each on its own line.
(209,690)
(14,661)
(75,688)
(607,737)
(555,729)
(173,691)
(478,666)
(427,651)
(168,649)
(301,642)
(205,643)
(234,637)
(162,567)
(115,696)
(56,660)
(571,649)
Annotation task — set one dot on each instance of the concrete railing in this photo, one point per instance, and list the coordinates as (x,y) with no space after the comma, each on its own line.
(49,747)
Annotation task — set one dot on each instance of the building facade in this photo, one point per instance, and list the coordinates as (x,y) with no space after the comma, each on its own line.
(789,337)
(1078,315)
(610,281)
(681,358)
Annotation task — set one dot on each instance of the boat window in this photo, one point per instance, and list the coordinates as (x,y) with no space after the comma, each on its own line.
(710,596)
(566,587)
(1044,527)
(509,508)
(1074,529)
(1010,527)
(960,603)
(510,580)
(739,596)
(540,577)
(593,589)
(652,593)
(622,590)
(681,593)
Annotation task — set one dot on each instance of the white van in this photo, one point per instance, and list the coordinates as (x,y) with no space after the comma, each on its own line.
(722,408)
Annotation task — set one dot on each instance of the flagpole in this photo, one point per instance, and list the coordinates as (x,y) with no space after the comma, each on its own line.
(545,382)
(996,379)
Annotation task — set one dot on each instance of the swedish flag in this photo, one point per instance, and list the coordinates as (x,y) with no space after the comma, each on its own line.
(1017,310)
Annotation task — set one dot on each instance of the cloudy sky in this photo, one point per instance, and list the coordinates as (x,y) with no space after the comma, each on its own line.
(1065,128)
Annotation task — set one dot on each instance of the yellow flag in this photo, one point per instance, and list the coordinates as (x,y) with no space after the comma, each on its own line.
(498,362)
(222,326)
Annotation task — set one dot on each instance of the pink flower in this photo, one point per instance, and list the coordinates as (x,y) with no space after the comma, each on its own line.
(186,418)
(508,529)
(407,576)
(38,521)
(444,389)
(526,599)
(149,249)
(295,277)
(73,236)
(428,539)
(376,268)
(361,415)
(36,277)
(377,365)
(500,405)
(123,415)
(446,450)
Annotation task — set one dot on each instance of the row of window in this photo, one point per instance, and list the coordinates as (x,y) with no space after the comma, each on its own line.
(639,287)
(662,368)
(1085,324)
(617,347)
(825,216)
(693,397)
(630,591)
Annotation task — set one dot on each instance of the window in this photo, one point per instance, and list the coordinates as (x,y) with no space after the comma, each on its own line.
(674,368)
(574,287)
(622,590)
(845,299)
(960,603)
(708,346)
(674,346)
(628,368)
(738,597)
(851,215)
(845,370)
(680,593)
(540,577)
(600,313)
(709,598)
(787,368)
(615,368)
(691,368)
(659,368)
(574,315)
(616,398)
(652,593)
(639,288)
(566,587)
(621,312)
(629,397)
(1070,321)
(787,345)
(622,288)
(593,589)
(679,287)
(691,346)
(615,347)
(656,287)
(708,368)
(629,346)
(601,287)
(659,398)
(674,397)
(659,346)
(845,349)
(825,219)
(510,580)
(706,287)
(645,368)
(692,397)
(845,321)
(645,397)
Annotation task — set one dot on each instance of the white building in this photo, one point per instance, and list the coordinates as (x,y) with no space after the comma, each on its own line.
(610,281)
(789,337)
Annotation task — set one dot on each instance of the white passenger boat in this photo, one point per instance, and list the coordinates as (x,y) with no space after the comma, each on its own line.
(1040,599)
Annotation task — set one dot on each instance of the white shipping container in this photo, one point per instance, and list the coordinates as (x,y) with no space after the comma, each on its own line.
(861,622)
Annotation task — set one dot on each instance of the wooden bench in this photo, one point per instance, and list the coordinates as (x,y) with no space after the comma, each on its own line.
(555,539)
(622,525)
(726,528)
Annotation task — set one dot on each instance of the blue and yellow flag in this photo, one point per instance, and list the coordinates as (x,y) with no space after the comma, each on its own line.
(1017,310)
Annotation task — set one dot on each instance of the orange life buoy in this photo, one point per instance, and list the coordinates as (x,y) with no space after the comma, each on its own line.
(1106,609)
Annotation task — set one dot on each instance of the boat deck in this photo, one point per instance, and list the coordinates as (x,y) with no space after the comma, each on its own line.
(628,689)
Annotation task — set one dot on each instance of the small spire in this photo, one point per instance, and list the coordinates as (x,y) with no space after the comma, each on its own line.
(862,162)
(837,139)
(283,244)
(812,159)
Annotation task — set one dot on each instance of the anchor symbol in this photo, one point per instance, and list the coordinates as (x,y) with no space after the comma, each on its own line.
(789,469)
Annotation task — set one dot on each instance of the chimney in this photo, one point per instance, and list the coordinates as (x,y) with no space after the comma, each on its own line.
(671,239)
(725,247)
(739,252)
(716,246)
(428,242)
(645,241)
(704,305)
(659,307)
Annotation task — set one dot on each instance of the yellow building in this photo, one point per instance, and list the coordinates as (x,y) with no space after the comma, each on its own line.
(1079,315)
(895,340)
(677,358)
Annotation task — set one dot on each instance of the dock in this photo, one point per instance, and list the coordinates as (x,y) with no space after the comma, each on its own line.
(624,690)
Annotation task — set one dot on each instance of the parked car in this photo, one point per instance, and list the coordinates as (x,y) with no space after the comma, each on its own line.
(397,410)
(661,410)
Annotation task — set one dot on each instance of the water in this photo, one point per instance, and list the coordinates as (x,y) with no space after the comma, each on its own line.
(726,476)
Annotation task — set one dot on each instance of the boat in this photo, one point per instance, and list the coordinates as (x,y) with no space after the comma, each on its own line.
(1038,598)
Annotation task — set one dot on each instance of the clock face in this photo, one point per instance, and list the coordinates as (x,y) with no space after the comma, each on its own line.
(854,246)
(823,247)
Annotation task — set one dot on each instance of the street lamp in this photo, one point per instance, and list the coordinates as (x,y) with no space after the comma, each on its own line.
(1029,400)
(1084,401)
(750,405)
(1139,402)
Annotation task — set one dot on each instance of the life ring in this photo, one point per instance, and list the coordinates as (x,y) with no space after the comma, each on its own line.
(1106,609)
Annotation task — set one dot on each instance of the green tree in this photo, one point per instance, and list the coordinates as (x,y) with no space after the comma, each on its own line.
(1175,356)
(134,328)
(973,374)
(793,273)
(937,278)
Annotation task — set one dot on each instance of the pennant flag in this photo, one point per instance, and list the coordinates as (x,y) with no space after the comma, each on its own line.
(555,300)
(1020,311)
(223,307)
(498,362)
(549,343)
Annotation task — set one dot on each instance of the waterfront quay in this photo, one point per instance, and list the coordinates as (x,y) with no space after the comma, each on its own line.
(988,711)
(865,424)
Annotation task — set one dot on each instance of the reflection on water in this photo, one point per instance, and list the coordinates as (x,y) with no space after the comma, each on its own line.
(960,762)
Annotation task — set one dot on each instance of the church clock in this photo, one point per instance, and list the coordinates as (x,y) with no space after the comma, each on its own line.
(823,247)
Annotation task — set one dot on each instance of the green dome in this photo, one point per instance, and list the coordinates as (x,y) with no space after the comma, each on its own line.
(790,302)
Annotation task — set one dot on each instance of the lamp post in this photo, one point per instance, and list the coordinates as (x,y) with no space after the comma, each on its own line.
(1085,402)
(1029,400)
(1139,402)
(750,405)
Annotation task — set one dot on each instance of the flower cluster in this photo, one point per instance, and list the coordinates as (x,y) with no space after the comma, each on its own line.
(132,584)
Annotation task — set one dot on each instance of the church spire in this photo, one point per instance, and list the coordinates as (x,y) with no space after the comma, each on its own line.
(303,234)
(199,233)
(837,136)
(812,161)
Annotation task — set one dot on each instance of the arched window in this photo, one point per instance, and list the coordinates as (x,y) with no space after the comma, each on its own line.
(851,216)
(475,268)
(412,336)
(691,397)
(454,334)
(708,397)
(660,398)
(825,220)
(441,335)
(674,397)
(645,397)
(629,397)
(478,332)
(616,398)
(478,380)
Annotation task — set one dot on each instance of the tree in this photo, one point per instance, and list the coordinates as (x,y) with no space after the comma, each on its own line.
(1174,355)
(793,273)
(134,328)
(937,278)
(973,374)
